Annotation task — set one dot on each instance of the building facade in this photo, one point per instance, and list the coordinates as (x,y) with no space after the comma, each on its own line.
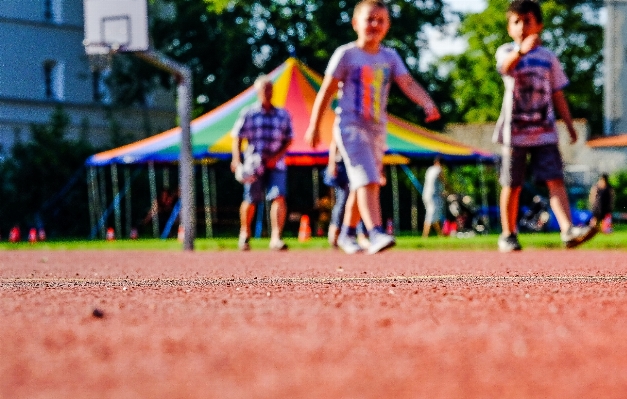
(43,65)
(615,89)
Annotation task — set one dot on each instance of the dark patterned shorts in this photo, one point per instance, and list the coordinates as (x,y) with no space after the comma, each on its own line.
(545,163)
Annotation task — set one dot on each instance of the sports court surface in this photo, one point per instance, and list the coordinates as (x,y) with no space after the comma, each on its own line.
(313,324)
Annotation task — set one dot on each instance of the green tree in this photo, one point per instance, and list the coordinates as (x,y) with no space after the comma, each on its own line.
(571,29)
(228,44)
(618,181)
(42,182)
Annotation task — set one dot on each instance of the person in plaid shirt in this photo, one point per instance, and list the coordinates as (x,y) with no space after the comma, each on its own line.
(268,130)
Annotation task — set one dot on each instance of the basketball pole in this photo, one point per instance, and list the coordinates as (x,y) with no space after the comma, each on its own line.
(183,76)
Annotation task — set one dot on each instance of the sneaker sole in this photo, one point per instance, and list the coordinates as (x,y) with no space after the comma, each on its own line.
(508,250)
(350,251)
(374,250)
(575,243)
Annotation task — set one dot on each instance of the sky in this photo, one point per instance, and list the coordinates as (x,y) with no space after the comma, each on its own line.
(439,44)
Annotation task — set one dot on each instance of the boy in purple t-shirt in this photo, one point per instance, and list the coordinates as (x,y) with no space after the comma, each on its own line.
(533,81)
(363,71)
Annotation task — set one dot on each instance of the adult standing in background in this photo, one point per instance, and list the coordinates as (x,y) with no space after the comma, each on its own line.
(268,131)
(432,197)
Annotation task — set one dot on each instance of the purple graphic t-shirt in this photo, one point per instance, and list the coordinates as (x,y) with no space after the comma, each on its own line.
(365,83)
(527,116)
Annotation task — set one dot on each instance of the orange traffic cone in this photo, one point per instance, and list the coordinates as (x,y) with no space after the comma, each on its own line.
(32,235)
(181,234)
(304,231)
(110,234)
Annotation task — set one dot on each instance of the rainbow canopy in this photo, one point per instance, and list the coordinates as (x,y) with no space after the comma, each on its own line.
(295,88)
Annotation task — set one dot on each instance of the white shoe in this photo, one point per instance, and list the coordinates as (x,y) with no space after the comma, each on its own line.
(509,243)
(577,235)
(242,244)
(278,245)
(348,244)
(380,242)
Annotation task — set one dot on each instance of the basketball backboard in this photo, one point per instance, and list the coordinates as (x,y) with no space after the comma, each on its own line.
(115,25)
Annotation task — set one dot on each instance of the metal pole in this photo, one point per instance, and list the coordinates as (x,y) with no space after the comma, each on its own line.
(96,198)
(127,201)
(153,199)
(166,177)
(315,179)
(90,199)
(183,76)
(206,199)
(103,199)
(186,161)
(116,206)
(414,206)
(213,190)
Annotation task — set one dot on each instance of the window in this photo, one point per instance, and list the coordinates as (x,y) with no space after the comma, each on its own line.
(54,79)
(53,11)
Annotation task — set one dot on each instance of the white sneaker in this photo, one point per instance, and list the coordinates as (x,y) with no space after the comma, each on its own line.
(242,244)
(278,245)
(348,244)
(509,243)
(379,242)
(577,235)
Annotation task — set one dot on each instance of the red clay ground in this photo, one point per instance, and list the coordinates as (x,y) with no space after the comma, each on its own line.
(305,324)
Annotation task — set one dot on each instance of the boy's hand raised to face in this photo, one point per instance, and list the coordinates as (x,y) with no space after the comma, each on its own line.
(529,43)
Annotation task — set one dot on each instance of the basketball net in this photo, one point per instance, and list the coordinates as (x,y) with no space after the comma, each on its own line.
(100,56)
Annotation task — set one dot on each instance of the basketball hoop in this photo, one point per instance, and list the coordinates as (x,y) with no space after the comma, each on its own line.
(100,62)
(113,26)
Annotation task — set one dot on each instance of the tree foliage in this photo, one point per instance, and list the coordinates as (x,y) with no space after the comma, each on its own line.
(37,172)
(227,44)
(571,30)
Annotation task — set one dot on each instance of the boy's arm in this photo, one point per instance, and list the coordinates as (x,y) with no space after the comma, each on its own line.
(511,60)
(327,92)
(561,106)
(418,95)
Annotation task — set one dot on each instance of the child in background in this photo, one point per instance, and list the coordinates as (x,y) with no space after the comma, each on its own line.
(365,70)
(335,176)
(601,200)
(533,81)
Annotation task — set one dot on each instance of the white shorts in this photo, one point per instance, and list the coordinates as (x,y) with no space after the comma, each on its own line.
(363,152)
(433,210)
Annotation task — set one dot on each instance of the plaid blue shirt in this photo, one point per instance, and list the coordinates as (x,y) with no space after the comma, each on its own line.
(267,132)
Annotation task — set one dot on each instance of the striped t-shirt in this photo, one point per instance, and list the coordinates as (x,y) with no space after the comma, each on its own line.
(365,83)
(528,116)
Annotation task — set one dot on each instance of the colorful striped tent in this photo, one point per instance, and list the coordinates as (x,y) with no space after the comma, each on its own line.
(295,89)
